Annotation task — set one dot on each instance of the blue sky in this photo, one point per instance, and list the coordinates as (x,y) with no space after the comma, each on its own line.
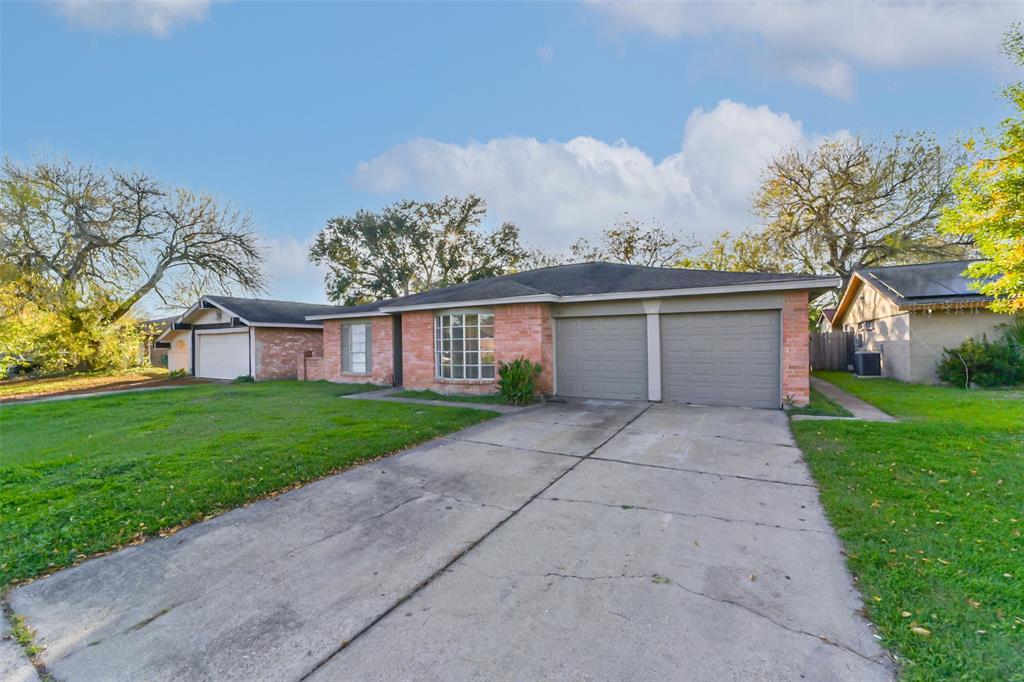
(562,115)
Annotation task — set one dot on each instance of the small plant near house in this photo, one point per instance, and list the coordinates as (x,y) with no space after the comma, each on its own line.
(177,373)
(517,381)
(244,379)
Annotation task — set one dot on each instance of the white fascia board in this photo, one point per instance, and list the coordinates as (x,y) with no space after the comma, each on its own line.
(535,298)
(290,325)
(821,283)
(230,313)
(167,332)
(345,316)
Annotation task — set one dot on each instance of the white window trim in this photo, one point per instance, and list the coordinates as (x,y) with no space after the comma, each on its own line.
(346,336)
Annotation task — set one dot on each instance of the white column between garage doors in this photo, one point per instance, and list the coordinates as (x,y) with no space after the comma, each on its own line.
(223,353)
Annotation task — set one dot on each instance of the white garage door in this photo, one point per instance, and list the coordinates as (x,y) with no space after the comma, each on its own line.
(222,356)
(602,357)
(729,358)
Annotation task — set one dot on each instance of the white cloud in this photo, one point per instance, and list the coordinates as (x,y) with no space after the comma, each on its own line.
(558,191)
(290,275)
(818,42)
(545,53)
(156,17)
(834,77)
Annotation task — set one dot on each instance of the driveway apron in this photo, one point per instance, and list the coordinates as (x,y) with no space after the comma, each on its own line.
(589,540)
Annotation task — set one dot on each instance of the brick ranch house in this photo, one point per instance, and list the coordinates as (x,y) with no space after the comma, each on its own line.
(222,337)
(598,330)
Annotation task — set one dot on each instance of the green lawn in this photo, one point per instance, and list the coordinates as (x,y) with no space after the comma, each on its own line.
(427,394)
(86,475)
(821,405)
(931,512)
(34,387)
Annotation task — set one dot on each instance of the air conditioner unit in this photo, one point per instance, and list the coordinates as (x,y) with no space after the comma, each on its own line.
(867,364)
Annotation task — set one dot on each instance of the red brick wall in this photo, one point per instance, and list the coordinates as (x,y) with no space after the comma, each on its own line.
(278,350)
(311,368)
(519,330)
(381,365)
(796,358)
(526,330)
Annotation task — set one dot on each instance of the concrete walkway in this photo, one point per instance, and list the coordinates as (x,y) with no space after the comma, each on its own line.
(857,407)
(584,541)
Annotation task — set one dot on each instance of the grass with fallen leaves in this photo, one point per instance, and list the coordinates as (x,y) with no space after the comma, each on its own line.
(87,475)
(36,387)
(931,513)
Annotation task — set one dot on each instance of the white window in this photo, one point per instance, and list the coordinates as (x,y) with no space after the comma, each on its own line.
(355,348)
(464,346)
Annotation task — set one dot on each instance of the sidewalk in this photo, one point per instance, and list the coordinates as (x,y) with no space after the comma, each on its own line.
(857,407)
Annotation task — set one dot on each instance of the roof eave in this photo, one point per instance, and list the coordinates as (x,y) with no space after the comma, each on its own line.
(821,283)
(533,298)
(345,316)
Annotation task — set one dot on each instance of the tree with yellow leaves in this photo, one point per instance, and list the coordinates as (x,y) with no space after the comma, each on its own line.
(990,198)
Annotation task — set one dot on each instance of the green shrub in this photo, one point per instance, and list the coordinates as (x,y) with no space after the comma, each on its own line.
(516,381)
(1013,334)
(982,362)
(244,379)
(177,373)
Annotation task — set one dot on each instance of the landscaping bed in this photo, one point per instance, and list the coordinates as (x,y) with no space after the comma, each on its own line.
(931,513)
(84,476)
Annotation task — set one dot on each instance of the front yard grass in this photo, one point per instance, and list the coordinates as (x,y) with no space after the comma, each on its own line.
(87,475)
(21,388)
(931,511)
(427,394)
(821,405)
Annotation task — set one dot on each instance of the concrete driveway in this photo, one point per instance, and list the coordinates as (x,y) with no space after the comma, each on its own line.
(591,540)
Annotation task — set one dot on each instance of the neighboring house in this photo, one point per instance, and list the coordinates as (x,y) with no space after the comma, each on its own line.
(909,313)
(825,319)
(598,330)
(221,337)
(153,351)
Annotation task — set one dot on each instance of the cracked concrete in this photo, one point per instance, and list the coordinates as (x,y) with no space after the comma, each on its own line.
(591,540)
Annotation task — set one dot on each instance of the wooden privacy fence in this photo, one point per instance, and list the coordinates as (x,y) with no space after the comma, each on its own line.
(831,350)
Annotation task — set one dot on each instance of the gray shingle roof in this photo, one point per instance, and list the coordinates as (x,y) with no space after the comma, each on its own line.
(578,279)
(263,311)
(925,283)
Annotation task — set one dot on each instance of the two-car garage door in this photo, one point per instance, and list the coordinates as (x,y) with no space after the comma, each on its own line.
(221,355)
(715,358)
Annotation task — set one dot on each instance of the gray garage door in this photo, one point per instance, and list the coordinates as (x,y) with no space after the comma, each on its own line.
(602,357)
(721,358)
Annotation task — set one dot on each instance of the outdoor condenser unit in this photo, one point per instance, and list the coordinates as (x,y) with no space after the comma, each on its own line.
(867,364)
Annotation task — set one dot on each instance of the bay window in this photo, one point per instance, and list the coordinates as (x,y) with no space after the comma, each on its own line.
(464,346)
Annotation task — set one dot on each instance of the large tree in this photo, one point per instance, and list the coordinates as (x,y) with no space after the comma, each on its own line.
(83,235)
(850,203)
(413,246)
(633,241)
(990,198)
(747,251)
